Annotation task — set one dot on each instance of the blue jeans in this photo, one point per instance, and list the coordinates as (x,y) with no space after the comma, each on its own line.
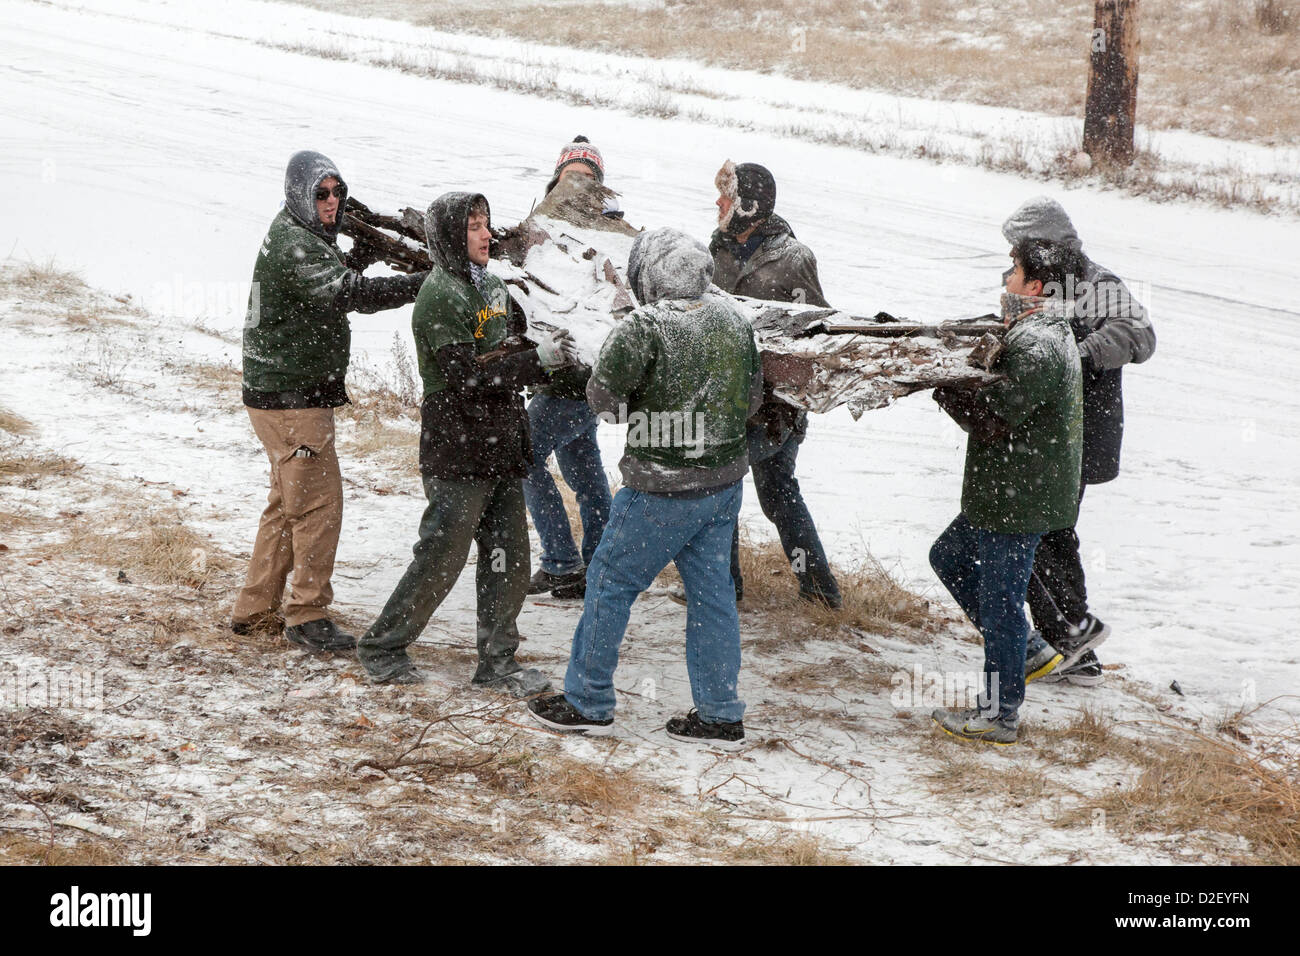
(988,574)
(568,428)
(782,502)
(644,533)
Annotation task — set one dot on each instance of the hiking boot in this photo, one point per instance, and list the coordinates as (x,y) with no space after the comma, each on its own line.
(971,725)
(270,622)
(557,713)
(320,635)
(692,729)
(1085,672)
(544,581)
(525,682)
(1088,636)
(1043,664)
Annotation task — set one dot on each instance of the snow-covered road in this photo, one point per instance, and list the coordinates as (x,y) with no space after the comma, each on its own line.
(150,157)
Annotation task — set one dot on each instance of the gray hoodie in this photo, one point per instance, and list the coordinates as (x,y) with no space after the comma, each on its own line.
(306,171)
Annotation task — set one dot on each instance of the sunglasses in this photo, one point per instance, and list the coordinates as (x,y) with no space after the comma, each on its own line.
(323,194)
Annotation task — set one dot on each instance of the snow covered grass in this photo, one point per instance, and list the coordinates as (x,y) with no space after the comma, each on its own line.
(209,747)
(1035,57)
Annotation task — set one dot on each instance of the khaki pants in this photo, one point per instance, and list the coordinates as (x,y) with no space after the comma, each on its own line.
(299,530)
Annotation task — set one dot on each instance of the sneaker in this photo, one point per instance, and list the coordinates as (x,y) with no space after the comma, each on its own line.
(525,682)
(1088,636)
(544,581)
(409,675)
(270,622)
(557,713)
(1085,672)
(692,729)
(971,725)
(320,635)
(575,591)
(1043,665)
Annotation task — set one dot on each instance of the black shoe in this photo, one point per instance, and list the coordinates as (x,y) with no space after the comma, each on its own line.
(692,730)
(1088,636)
(571,592)
(1085,672)
(320,635)
(544,581)
(557,713)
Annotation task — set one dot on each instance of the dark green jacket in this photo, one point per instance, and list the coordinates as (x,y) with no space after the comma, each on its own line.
(296,334)
(682,371)
(1026,479)
(473,423)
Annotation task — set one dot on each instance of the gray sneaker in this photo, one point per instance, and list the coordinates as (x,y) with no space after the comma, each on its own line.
(525,682)
(971,725)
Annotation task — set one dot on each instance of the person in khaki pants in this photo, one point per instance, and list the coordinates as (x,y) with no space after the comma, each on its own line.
(296,349)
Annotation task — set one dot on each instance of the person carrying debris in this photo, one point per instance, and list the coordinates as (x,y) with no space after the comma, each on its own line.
(561,421)
(1112,330)
(1021,481)
(683,372)
(296,349)
(474,451)
(756,254)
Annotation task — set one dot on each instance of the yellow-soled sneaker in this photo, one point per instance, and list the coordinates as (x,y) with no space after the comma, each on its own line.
(972,725)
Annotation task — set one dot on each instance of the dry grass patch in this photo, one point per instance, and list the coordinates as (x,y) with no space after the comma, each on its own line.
(600,788)
(1192,784)
(961,773)
(786,849)
(25,466)
(154,544)
(15,424)
(1089,736)
(43,280)
(371,436)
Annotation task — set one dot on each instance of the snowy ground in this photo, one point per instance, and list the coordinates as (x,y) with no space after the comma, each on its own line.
(155,173)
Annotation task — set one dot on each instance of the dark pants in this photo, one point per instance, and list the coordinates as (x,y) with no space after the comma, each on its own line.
(782,502)
(1058,595)
(987,573)
(489,513)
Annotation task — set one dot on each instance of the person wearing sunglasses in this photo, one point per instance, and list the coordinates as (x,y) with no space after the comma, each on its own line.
(295,355)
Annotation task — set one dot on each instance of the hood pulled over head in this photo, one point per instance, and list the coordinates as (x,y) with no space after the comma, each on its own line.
(307,169)
(752,191)
(1041,218)
(668,264)
(446,225)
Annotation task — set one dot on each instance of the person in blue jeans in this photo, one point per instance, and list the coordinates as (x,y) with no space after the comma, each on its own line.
(561,422)
(566,428)
(1021,480)
(683,373)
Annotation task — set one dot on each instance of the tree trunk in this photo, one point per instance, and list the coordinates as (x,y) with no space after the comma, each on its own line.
(1112,83)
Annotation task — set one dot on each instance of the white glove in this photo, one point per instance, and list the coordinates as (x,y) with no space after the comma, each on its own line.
(557,350)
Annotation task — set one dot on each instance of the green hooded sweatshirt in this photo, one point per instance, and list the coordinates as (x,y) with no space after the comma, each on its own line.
(1028,480)
(296,334)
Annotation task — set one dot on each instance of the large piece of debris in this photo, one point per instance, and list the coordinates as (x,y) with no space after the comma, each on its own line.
(567,266)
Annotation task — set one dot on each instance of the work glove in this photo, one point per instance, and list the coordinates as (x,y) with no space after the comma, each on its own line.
(557,350)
